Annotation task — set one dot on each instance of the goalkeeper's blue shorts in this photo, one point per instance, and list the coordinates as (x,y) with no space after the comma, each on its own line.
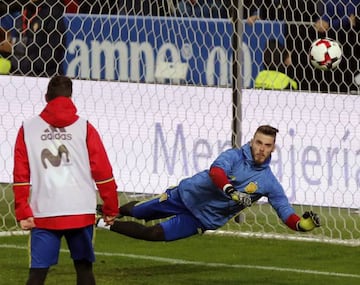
(182,223)
(45,245)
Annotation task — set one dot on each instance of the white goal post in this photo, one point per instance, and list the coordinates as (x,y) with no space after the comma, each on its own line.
(161,91)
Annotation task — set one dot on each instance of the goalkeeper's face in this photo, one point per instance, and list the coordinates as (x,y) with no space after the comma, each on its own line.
(261,147)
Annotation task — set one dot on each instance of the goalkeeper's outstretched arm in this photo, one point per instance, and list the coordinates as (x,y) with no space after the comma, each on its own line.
(307,222)
(219,177)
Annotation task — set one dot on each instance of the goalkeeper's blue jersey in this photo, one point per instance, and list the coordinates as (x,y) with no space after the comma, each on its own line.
(214,208)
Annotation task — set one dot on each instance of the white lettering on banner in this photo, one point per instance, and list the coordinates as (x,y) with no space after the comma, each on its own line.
(156,134)
(142,53)
(122,61)
(114,53)
(163,53)
(247,65)
(219,54)
(80,63)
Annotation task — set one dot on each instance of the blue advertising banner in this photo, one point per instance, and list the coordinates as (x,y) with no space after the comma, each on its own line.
(147,49)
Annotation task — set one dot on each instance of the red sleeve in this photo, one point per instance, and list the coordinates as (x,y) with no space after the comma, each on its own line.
(101,172)
(292,222)
(21,174)
(218,176)
(106,191)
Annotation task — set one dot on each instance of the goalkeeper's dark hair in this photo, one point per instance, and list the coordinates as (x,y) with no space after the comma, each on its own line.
(267,130)
(58,86)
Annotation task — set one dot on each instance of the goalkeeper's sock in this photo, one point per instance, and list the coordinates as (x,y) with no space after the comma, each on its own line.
(139,231)
(100,223)
(124,210)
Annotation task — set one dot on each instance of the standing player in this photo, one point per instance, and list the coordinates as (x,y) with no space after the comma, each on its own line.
(207,200)
(60,155)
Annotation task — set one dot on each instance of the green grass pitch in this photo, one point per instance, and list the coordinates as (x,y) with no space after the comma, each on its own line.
(204,259)
(208,259)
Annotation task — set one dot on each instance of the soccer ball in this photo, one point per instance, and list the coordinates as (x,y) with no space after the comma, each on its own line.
(325,54)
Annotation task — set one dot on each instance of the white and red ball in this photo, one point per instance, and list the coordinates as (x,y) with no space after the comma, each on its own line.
(325,54)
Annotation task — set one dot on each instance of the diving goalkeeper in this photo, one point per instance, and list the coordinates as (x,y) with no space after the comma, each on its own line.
(207,200)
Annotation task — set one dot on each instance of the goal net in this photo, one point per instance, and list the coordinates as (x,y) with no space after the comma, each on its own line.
(169,86)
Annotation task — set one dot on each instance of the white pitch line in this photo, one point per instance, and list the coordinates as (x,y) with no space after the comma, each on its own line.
(306,238)
(211,264)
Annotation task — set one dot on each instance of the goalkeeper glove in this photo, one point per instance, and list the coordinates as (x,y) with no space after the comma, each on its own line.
(308,222)
(237,196)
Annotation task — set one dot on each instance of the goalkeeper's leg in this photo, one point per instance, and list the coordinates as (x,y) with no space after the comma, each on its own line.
(124,210)
(162,206)
(177,227)
(139,231)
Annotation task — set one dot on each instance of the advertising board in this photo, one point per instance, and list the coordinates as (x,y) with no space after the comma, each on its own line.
(156,134)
